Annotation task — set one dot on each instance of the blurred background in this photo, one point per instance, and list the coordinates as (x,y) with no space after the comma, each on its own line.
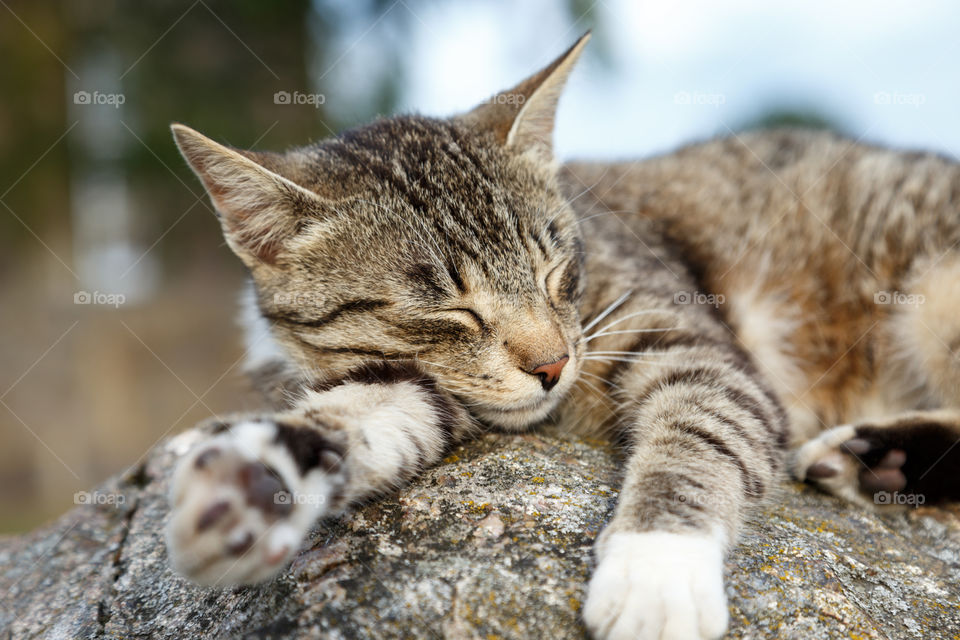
(117,293)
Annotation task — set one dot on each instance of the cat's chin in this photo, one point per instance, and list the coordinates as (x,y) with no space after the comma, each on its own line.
(519,419)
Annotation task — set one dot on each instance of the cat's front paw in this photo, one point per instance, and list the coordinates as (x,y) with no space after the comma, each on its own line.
(657,586)
(240,506)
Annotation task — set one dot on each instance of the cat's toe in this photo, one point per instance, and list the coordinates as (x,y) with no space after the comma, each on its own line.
(822,457)
(657,586)
(235,517)
(886,475)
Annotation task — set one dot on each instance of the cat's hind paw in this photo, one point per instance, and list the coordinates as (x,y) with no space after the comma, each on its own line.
(657,586)
(850,466)
(240,507)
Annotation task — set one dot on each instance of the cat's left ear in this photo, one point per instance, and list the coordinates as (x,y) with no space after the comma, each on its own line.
(259,208)
(522,118)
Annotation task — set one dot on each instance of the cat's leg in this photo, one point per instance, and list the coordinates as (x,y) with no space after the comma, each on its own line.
(244,497)
(706,442)
(923,322)
(909,457)
(906,460)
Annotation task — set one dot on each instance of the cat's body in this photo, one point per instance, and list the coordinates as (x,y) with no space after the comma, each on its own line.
(418,279)
(826,257)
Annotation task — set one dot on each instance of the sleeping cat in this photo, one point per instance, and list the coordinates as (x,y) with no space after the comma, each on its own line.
(417,280)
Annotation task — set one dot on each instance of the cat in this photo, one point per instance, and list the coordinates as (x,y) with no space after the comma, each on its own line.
(418,280)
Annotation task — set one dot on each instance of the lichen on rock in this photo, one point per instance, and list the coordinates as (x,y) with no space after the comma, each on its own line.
(495,542)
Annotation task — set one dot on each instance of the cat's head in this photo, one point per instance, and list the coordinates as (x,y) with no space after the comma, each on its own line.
(442,240)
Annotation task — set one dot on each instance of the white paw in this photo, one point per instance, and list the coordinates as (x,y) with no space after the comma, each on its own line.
(657,586)
(240,507)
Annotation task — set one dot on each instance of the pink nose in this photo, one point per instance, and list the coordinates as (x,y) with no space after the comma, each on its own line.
(549,373)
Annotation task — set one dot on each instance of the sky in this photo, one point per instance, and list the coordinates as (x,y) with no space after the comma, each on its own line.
(683,71)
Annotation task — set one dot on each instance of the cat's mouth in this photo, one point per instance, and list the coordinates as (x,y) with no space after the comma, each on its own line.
(522,416)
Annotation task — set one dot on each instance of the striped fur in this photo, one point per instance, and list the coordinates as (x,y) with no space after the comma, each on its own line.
(416,279)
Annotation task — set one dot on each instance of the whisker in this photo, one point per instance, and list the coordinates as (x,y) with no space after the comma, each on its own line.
(629,316)
(437,364)
(605,213)
(610,309)
(632,353)
(602,395)
(620,331)
(603,380)
(569,202)
(599,397)
(620,359)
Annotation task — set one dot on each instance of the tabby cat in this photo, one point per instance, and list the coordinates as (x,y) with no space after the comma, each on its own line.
(417,280)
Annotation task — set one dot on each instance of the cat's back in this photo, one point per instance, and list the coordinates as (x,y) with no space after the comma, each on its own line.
(796,230)
(789,192)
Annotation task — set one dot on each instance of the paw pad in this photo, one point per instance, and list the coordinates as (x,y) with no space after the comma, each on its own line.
(212,515)
(264,490)
(240,506)
(851,465)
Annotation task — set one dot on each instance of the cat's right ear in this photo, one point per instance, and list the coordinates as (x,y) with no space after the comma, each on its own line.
(522,118)
(257,206)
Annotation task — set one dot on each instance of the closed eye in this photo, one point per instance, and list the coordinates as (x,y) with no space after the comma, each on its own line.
(464,312)
(562,281)
(551,282)
(549,277)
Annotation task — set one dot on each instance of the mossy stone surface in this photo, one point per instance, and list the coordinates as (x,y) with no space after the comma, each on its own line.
(492,543)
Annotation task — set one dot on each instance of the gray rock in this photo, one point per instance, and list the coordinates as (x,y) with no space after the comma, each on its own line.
(493,543)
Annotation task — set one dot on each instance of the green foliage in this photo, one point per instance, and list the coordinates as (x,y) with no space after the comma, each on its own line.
(783,116)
